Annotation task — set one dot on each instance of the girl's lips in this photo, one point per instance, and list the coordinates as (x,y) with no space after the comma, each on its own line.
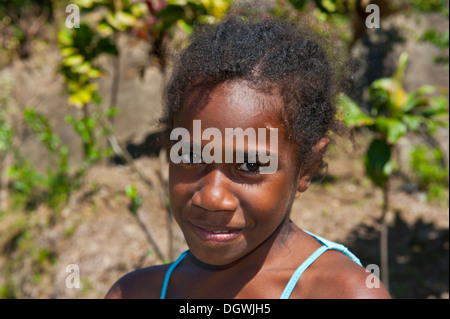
(217,235)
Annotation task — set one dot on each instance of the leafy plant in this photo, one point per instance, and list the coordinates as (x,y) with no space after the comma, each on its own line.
(394,113)
(31,186)
(88,128)
(26,184)
(134,197)
(431,176)
(6,134)
(171,15)
(135,203)
(440,6)
(79,47)
(439,40)
(58,182)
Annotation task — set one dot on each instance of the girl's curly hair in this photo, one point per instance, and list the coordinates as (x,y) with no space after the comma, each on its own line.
(269,53)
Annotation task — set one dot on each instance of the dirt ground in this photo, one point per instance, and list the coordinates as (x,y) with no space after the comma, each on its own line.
(97,232)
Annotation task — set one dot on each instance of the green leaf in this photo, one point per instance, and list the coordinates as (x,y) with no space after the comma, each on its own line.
(403,61)
(170,15)
(412,121)
(114,22)
(80,98)
(139,9)
(73,60)
(65,52)
(439,105)
(83,68)
(136,200)
(329,5)
(381,94)
(88,5)
(413,101)
(112,112)
(177,2)
(418,98)
(424,90)
(131,191)
(392,128)
(126,18)
(377,162)
(94,73)
(65,38)
(184,26)
(105,29)
(351,114)
(85,3)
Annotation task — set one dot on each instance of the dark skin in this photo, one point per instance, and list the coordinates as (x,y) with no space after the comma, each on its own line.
(266,248)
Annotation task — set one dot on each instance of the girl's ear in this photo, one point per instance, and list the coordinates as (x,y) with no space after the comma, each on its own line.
(308,172)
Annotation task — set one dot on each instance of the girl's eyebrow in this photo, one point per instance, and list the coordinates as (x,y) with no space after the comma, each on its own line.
(253,154)
(246,156)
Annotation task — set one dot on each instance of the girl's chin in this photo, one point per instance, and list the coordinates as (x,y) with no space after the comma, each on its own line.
(217,256)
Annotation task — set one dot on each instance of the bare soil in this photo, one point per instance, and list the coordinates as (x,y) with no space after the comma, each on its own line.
(97,232)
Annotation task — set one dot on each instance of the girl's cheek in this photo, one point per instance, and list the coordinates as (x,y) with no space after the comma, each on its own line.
(260,201)
(274,198)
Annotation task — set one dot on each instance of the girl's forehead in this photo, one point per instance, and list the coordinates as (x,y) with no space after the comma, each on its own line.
(232,104)
(239,109)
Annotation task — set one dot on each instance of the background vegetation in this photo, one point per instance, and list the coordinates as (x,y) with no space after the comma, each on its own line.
(64,135)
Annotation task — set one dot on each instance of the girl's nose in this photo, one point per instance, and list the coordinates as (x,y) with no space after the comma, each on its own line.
(214,193)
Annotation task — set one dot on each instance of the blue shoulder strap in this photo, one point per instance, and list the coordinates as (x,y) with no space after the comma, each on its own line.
(326,245)
(169,272)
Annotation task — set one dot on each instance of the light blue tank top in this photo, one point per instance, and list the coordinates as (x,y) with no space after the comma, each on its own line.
(326,245)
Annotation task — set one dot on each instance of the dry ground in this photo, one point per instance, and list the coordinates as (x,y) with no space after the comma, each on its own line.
(97,232)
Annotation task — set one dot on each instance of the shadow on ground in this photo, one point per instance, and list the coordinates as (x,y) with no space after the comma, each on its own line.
(418,257)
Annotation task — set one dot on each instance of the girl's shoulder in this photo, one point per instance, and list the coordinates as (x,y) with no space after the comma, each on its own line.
(335,276)
(145,283)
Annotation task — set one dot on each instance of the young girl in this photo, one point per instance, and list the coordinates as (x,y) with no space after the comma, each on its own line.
(253,76)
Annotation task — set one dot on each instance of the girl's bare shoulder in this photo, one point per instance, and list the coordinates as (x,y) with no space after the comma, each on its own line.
(335,276)
(145,283)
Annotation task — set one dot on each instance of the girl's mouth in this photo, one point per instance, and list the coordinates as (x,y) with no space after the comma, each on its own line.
(216,235)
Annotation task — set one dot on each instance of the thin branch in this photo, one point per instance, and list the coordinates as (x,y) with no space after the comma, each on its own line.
(121,151)
(115,77)
(384,236)
(150,238)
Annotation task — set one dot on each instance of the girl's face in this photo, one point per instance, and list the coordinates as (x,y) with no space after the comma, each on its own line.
(226,210)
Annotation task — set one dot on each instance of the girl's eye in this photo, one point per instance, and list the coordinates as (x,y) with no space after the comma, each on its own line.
(191,158)
(250,167)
